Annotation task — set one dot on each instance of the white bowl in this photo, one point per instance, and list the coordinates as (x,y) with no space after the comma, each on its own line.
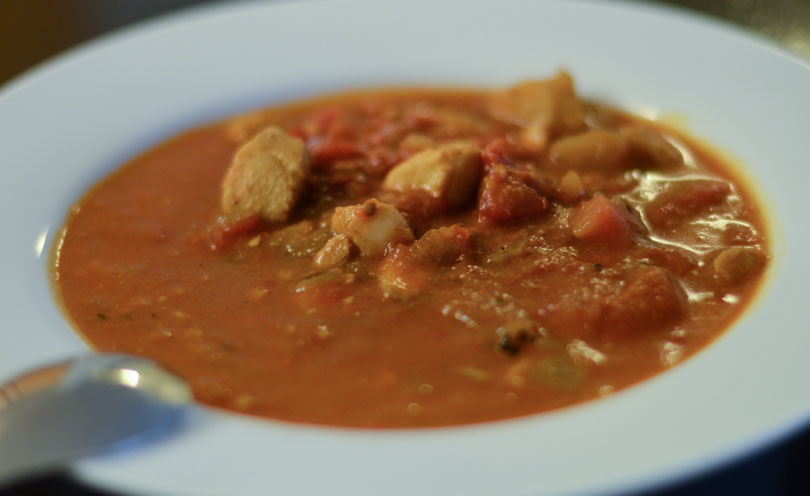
(66,124)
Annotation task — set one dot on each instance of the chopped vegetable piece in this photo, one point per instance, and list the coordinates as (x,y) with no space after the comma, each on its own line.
(227,231)
(602,220)
(506,196)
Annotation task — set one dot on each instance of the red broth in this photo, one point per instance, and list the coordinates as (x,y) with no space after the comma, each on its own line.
(580,252)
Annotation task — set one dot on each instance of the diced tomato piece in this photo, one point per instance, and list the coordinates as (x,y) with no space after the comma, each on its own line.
(339,131)
(298,132)
(225,232)
(506,196)
(320,122)
(329,151)
(330,138)
(422,119)
(381,159)
(601,219)
(378,131)
(496,152)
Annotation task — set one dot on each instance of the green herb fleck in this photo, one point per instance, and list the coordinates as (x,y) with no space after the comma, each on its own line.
(561,373)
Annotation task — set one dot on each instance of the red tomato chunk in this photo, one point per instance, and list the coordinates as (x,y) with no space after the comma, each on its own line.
(601,219)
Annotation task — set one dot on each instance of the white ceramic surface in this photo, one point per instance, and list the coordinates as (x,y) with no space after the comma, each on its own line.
(68,123)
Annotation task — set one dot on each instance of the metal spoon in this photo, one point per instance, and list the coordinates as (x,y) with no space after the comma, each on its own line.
(83,406)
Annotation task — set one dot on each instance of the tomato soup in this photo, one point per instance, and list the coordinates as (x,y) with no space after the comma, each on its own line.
(414,257)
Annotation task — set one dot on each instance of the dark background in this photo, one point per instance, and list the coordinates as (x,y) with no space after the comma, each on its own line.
(33,30)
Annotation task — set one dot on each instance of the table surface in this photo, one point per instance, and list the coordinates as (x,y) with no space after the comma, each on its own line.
(37,29)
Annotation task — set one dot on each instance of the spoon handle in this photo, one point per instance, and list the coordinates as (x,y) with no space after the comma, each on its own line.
(27,442)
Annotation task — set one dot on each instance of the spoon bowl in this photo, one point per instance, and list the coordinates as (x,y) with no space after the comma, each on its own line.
(87,405)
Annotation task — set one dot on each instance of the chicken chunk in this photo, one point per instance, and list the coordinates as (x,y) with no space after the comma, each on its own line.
(738,264)
(545,109)
(266,176)
(595,150)
(651,147)
(372,226)
(441,246)
(334,253)
(449,172)
(399,277)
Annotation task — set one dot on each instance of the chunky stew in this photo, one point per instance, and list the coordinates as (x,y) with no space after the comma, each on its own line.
(414,257)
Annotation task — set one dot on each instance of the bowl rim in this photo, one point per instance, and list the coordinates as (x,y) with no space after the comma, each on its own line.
(93,471)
